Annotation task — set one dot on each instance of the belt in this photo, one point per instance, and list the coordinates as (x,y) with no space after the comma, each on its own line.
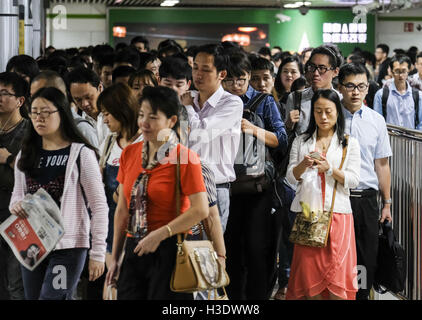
(365,193)
(223,185)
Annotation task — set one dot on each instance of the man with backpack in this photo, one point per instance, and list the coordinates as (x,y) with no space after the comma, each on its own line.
(400,104)
(249,245)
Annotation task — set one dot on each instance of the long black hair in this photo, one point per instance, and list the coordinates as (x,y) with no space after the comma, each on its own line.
(32,141)
(332,96)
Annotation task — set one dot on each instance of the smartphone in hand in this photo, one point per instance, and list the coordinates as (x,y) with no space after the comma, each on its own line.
(315,155)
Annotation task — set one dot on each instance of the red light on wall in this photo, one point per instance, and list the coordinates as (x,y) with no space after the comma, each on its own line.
(247,29)
(242,39)
(119,32)
(262,35)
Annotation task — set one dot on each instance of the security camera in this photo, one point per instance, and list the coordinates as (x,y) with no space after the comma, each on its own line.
(303,10)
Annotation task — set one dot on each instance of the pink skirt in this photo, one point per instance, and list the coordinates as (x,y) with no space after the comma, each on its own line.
(326,270)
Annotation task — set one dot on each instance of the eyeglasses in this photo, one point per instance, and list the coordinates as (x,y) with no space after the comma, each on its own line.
(42,114)
(321,69)
(399,72)
(239,82)
(350,87)
(7,94)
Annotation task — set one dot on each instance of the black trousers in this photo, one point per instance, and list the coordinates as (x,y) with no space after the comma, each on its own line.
(366,219)
(11,285)
(250,256)
(148,277)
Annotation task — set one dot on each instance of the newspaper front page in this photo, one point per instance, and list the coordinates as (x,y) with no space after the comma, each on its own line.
(32,239)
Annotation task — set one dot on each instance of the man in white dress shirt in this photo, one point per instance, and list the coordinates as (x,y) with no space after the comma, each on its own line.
(214,119)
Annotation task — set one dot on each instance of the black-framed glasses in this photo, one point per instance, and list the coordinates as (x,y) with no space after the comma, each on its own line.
(42,114)
(239,82)
(351,87)
(399,72)
(321,68)
(7,94)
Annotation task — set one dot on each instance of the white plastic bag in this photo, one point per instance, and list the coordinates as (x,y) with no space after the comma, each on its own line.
(311,195)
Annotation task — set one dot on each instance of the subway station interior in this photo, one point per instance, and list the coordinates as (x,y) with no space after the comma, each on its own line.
(30,27)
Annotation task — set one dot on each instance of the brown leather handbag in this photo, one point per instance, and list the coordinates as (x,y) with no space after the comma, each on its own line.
(197,266)
(315,233)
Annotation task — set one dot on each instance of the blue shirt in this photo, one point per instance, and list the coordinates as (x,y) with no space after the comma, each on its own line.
(400,107)
(369,128)
(269,112)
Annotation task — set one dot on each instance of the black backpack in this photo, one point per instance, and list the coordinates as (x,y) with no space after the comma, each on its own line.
(254,173)
(391,262)
(415,94)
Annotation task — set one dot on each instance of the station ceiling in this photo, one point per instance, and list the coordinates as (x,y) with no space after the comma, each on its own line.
(402,4)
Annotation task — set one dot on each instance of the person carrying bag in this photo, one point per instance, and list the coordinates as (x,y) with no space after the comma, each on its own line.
(197,266)
(324,256)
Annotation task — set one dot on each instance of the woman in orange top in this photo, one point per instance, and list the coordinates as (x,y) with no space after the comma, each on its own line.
(146,209)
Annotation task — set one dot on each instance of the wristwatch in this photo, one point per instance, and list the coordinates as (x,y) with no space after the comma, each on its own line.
(10,159)
(329,172)
(387,201)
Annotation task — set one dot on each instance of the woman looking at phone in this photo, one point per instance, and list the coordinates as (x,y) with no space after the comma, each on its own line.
(330,272)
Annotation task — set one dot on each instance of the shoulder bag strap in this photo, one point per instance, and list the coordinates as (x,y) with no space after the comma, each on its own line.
(297,105)
(253,105)
(415,94)
(179,235)
(111,139)
(384,98)
(341,166)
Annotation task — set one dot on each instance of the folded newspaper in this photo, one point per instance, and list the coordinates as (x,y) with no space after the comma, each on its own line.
(32,239)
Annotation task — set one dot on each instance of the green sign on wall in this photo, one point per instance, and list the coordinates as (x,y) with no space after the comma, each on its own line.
(291,35)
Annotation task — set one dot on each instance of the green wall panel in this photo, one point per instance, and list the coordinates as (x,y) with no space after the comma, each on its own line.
(288,35)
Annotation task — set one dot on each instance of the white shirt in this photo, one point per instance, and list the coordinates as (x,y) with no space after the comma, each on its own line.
(102,129)
(215,132)
(116,151)
(351,170)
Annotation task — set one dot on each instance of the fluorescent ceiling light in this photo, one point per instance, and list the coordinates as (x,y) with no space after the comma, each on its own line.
(169,3)
(297,4)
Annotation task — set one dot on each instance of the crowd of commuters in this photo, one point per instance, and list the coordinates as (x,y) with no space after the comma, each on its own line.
(121,119)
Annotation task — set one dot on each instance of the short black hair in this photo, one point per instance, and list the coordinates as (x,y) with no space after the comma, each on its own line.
(140,39)
(400,58)
(52,79)
(369,56)
(122,71)
(190,52)
(352,69)
(262,64)
(23,64)
(357,58)
(419,55)
(176,68)
(18,84)
(145,58)
(128,55)
(239,64)
(278,56)
(265,51)
(83,75)
(217,51)
(169,50)
(106,60)
(333,53)
(384,48)
(120,46)
(101,49)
